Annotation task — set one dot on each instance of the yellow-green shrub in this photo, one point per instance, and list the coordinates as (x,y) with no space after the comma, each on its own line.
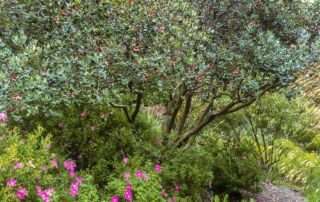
(28,160)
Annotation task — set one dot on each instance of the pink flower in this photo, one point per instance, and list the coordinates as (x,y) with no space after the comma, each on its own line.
(136,49)
(49,191)
(157,168)
(139,174)
(18,165)
(129,186)
(144,78)
(54,162)
(126,175)
(72,173)
(177,187)
(159,27)
(145,177)
(164,194)
(45,195)
(79,180)
(70,166)
(39,190)
(43,168)
(174,198)
(21,194)
(115,199)
(127,195)
(82,114)
(3,116)
(74,189)
(125,159)
(12,183)
(126,192)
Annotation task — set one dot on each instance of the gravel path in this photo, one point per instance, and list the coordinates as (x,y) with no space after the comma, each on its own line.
(272,193)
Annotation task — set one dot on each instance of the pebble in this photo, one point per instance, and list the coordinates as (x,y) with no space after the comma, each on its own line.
(272,193)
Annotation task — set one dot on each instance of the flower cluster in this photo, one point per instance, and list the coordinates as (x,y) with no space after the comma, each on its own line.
(46,194)
(70,165)
(18,165)
(174,198)
(21,193)
(75,187)
(127,193)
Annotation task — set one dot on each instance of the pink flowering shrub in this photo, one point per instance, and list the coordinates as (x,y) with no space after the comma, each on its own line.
(139,183)
(29,171)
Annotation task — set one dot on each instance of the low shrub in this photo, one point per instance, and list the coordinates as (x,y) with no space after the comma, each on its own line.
(234,165)
(98,141)
(30,170)
(141,182)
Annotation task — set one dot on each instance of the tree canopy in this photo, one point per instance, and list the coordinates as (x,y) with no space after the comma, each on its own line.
(221,55)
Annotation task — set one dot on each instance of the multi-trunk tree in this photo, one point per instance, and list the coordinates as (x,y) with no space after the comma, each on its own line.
(201,59)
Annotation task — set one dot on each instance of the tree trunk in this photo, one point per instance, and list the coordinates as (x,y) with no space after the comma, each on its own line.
(137,108)
(185,114)
(193,132)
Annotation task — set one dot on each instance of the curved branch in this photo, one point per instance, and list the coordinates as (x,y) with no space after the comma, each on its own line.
(124,108)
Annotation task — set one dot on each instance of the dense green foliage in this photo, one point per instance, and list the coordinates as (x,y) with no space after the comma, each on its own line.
(266,121)
(87,52)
